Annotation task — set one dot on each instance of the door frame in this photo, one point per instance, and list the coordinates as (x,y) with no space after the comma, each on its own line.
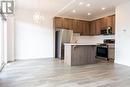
(3,42)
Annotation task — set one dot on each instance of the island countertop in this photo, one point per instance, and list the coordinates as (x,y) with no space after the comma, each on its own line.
(90,44)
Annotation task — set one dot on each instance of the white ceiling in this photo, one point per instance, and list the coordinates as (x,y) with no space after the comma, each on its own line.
(64,7)
(50,7)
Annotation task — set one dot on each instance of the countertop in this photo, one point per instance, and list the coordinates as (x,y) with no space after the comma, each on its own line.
(89,44)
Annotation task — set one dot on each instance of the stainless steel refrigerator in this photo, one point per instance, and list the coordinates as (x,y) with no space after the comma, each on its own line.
(62,36)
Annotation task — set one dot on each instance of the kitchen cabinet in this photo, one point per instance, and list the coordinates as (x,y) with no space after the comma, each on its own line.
(103,22)
(109,21)
(75,25)
(65,23)
(92,28)
(70,24)
(75,55)
(113,24)
(86,27)
(111,53)
(98,27)
(80,27)
(58,22)
(106,21)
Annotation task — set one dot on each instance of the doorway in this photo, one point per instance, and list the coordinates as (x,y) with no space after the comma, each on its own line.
(2,42)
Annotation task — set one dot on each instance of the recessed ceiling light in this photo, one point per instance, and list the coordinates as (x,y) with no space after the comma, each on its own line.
(74,11)
(88,5)
(89,13)
(103,8)
(81,3)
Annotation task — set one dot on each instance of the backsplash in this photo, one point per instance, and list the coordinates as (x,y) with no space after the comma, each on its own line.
(76,37)
(92,39)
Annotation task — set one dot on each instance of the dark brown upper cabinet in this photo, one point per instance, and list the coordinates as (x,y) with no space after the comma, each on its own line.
(75,26)
(109,21)
(93,28)
(85,27)
(70,24)
(65,23)
(98,26)
(103,22)
(113,24)
(58,22)
(80,27)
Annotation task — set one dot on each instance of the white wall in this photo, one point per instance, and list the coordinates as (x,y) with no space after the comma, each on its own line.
(33,40)
(123,34)
(10,38)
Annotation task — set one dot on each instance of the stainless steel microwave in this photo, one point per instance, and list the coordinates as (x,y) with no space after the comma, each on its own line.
(106,31)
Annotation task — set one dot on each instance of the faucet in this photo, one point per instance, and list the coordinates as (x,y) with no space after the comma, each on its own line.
(76,41)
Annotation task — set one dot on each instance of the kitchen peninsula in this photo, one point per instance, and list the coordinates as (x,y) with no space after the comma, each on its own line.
(79,54)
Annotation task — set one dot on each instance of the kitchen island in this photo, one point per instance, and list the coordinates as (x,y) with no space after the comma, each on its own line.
(79,54)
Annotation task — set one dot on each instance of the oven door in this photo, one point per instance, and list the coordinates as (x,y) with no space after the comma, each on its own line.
(102,51)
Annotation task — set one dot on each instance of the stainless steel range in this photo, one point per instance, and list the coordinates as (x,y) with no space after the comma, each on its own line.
(103,49)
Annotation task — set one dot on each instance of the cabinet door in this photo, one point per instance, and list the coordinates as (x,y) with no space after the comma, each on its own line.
(109,21)
(92,28)
(113,24)
(66,23)
(75,24)
(58,22)
(98,26)
(103,22)
(70,24)
(85,28)
(80,27)
(106,21)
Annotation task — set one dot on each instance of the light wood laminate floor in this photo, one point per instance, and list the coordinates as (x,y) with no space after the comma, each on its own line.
(53,73)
